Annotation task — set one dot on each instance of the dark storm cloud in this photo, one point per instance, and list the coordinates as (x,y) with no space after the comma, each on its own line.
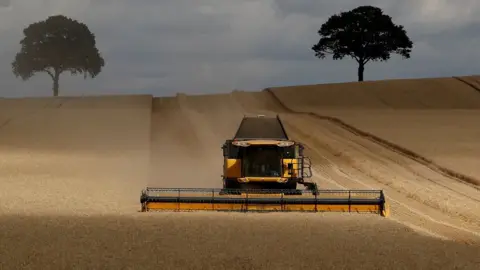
(195,46)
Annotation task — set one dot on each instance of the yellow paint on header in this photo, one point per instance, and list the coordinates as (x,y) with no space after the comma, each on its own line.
(153,206)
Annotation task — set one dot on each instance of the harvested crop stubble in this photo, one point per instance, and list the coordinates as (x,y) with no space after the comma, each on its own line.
(220,241)
(427,133)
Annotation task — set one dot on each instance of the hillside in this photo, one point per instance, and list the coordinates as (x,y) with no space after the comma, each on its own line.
(72,169)
(81,153)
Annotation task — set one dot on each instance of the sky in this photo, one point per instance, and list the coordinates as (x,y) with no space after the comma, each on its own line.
(164,47)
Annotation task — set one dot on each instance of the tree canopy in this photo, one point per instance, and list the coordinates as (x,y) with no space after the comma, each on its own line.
(364,34)
(56,45)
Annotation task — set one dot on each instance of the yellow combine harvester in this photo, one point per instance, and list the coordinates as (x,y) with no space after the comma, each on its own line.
(261,170)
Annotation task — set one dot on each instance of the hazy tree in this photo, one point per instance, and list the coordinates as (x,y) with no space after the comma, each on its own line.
(365,34)
(55,45)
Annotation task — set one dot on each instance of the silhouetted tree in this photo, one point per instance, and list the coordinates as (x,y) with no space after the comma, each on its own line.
(55,45)
(365,34)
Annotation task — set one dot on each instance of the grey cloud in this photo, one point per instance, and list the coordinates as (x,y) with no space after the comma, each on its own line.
(4,3)
(212,46)
(321,9)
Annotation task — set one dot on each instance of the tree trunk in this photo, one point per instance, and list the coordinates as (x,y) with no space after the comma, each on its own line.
(361,69)
(56,79)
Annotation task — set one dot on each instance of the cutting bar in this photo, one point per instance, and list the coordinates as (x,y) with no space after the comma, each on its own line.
(205,199)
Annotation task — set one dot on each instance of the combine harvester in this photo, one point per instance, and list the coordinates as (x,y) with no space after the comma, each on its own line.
(261,170)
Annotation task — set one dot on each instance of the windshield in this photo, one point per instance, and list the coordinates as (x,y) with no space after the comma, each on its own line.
(262,161)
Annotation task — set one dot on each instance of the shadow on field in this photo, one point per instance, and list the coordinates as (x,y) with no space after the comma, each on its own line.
(223,241)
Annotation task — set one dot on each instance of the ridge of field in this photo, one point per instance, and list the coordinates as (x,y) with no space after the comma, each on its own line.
(73,154)
(472,80)
(428,93)
(447,138)
(436,118)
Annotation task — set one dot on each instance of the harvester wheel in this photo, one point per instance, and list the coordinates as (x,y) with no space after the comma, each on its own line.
(312,187)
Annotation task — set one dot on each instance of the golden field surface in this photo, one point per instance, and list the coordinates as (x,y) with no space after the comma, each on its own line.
(434,118)
(448,138)
(71,172)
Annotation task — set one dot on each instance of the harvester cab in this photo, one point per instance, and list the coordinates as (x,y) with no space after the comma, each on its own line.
(262,168)
(261,157)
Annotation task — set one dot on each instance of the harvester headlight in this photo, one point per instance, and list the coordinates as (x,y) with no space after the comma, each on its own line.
(240,143)
(285,144)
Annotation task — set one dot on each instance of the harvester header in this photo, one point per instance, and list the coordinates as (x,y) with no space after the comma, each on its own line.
(205,199)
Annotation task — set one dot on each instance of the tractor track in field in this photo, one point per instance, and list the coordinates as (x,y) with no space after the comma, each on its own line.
(422,197)
(474,183)
(412,194)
